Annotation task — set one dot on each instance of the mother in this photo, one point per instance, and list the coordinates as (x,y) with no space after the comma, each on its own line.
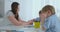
(13,17)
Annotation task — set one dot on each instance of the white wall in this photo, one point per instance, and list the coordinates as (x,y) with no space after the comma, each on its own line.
(26,9)
(1,7)
(29,8)
(37,6)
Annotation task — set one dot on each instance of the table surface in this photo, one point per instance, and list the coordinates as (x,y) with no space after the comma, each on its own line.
(19,28)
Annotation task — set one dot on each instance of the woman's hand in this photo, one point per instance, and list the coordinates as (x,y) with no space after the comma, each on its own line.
(25,23)
(31,21)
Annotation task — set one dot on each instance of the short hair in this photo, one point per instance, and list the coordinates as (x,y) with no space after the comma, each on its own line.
(48,8)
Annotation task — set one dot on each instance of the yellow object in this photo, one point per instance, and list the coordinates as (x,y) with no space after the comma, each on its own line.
(37,24)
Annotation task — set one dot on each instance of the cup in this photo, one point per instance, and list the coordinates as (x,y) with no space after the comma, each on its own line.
(36,24)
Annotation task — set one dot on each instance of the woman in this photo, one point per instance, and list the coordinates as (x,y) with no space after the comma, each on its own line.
(13,17)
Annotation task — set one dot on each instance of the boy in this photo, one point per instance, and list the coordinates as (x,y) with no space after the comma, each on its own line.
(50,22)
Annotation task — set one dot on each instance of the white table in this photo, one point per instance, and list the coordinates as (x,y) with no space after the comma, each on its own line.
(20,28)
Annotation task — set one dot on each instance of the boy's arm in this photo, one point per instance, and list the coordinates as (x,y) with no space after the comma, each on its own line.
(42,25)
(42,21)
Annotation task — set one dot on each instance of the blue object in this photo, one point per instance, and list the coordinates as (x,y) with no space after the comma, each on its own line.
(37,19)
(52,24)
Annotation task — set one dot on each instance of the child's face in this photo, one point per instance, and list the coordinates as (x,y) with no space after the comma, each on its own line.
(45,14)
(49,13)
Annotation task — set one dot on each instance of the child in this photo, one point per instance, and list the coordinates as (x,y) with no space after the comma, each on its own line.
(50,22)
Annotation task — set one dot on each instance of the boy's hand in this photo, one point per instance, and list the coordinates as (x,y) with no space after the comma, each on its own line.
(42,18)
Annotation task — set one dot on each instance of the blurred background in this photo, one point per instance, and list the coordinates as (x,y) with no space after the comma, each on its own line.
(28,8)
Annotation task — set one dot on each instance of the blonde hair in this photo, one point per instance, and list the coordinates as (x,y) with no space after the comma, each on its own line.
(48,8)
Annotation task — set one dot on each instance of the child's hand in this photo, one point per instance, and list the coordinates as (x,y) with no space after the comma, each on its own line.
(42,18)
